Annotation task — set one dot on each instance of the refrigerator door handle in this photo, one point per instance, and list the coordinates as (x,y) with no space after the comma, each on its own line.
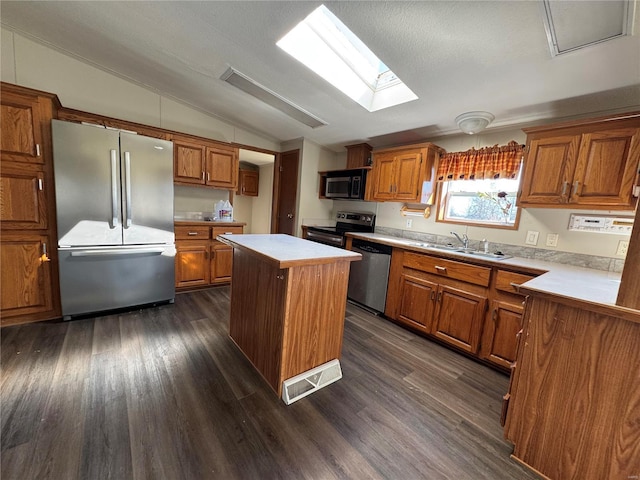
(127,188)
(121,251)
(114,189)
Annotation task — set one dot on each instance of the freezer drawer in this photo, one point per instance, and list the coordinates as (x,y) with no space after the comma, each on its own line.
(98,279)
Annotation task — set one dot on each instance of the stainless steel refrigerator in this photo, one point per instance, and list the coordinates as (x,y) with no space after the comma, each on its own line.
(114,203)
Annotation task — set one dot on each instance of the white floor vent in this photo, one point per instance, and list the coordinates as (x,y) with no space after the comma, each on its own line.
(310,381)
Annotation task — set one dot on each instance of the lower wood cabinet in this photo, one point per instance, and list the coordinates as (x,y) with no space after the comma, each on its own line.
(200,259)
(26,278)
(474,308)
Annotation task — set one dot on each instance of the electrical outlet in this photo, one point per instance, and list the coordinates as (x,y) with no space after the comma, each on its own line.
(409,222)
(623,246)
(532,238)
(552,239)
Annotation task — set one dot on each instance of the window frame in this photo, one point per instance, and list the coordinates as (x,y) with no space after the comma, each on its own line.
(441,208)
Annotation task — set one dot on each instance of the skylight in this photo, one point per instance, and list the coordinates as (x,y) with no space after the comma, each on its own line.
(325,45)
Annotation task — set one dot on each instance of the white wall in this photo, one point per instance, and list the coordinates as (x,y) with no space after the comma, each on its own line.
(542,220)
(261,208)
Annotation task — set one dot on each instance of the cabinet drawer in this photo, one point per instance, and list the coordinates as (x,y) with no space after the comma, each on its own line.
(448,268)
(192,233)
(510,281)
(225,231)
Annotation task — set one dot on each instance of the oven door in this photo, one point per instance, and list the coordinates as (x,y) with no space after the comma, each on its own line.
(328,238)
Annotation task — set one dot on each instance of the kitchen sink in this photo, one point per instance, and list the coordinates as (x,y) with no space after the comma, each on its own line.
(458,249)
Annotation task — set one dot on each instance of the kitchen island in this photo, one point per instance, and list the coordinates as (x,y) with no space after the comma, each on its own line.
(288,301)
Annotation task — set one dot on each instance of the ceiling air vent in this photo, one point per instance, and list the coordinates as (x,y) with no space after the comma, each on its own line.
(269,97)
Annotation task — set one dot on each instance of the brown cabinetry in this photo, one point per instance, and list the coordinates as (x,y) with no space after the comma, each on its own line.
(448,299)
(27,209)
(248,182)
(591,164)
(358,155)
(201,260)
(204,163)
(402,173)
(504,319)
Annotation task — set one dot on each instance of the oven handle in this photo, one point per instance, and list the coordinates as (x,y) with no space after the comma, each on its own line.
(337,239)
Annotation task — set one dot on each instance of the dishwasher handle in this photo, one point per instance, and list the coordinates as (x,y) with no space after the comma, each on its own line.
(369,247)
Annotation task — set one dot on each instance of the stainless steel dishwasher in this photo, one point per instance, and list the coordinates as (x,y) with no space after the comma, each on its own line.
(368,278)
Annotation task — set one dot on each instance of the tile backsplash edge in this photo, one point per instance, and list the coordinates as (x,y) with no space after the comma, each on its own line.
(576,259)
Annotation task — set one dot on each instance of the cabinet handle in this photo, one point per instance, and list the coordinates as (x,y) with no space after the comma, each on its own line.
(280,277)
(203,175)
(44,257)
(574,190)
(40,184)
(565,184)
(440,269)
(440,297)
(433,295)
(208,177)
(494,315)
(192,234)
(37,149)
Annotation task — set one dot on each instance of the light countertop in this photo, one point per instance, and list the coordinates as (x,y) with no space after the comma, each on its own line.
(574,283)
(214,223)
(286,251)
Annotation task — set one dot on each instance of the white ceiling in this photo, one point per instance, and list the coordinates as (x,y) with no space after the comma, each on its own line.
(457,56)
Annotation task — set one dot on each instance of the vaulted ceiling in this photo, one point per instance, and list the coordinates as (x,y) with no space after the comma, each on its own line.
(457,56)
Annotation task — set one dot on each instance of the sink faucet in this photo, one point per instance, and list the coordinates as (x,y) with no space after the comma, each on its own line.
(464,240)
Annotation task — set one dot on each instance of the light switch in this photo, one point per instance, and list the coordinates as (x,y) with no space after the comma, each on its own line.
(409,222)
(623,246)
(532,238)
(552,239)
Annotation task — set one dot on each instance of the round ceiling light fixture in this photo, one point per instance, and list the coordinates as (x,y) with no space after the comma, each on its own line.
(474,122)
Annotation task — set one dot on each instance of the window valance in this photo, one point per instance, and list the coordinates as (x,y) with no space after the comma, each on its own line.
(489,162)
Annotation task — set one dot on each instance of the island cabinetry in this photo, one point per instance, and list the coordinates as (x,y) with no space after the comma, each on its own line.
(443,298)
(402,174)
(587,164)
(28,238)
(287,303)
(574,406)
(504,318)
(201,260)
(204,163)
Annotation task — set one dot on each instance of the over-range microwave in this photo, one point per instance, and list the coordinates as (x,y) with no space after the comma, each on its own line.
(346,184)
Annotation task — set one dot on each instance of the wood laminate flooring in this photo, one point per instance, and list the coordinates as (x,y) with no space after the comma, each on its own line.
(163,393)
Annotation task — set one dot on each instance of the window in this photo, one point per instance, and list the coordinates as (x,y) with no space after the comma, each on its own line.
(488,202)
(326,45)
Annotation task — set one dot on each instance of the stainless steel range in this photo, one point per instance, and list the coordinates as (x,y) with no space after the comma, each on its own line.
(345,222)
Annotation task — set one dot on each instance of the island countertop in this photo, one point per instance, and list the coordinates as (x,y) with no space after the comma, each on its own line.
(286,251)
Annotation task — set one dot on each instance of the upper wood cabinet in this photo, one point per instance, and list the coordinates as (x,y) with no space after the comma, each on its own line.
(199,162)
(403,174)
(590,164)
(248,182)
(358,155)
(21,127)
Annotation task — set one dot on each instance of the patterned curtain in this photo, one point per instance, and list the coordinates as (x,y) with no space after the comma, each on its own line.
(489,162)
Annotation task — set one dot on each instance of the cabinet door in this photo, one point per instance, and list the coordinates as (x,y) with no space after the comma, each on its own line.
(549,169)
(417,302)
(188,162)
(407,173)
(383,188)
(21,128)
(606,168)
(458,319)
(500,336)
(192,264)
(221,263)
(222,168)
(248,183)
(25,276)
(22,197)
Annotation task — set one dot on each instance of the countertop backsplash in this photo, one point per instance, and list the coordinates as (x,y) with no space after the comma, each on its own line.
(576,259)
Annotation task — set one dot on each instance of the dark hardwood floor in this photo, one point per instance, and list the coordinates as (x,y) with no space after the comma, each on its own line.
(163,393)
